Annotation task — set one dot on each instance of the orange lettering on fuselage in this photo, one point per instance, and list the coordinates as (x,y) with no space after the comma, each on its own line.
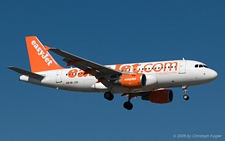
(170,65)
(118,67)
(148,67)
(126,68)
(157,67)
(72,73)
(135,68)
(75,72)
(80,73)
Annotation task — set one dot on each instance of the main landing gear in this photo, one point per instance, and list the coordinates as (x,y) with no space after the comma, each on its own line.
(186,97)
(109,96)
(127,105)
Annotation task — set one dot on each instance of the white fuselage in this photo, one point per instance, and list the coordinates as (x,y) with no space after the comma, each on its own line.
(163,74)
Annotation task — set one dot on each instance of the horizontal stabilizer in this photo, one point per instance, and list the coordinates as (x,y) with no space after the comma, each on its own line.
(24,72)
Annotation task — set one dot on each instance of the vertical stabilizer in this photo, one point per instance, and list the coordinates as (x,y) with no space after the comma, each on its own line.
(40,59)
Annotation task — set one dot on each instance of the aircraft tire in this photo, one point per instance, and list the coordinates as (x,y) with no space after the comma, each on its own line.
(128,105)
(109,96)
(186,97)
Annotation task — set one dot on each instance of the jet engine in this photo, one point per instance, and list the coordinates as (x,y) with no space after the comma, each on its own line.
(159,96)
(132,80)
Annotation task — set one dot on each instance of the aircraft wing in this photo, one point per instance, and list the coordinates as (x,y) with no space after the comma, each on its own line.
(97,70)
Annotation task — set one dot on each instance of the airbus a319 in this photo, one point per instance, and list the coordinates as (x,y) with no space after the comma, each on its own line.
(149,80)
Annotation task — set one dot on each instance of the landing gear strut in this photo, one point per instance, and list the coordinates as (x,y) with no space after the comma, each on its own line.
(109,96)
(186,97)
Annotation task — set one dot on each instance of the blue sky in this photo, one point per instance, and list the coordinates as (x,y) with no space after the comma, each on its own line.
(109,33)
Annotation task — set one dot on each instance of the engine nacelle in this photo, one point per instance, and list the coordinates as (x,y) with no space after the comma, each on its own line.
(132,80)
(151,80)
(159,96)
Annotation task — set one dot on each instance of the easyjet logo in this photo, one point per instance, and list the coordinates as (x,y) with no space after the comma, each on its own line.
(130,79)
(158,67)
(40,52)
(148,67)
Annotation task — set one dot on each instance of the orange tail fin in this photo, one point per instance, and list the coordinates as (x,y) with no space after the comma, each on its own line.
(40,59)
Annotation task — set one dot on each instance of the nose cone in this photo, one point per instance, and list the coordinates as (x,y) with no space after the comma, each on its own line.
(213,75)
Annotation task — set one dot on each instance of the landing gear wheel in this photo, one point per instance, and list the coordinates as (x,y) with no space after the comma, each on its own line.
(109,96)
(128,105)
(186,97)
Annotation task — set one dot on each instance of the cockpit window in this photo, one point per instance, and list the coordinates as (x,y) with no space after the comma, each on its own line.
(205,66)
(200,66)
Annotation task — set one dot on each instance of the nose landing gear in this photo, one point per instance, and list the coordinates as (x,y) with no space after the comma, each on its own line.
(186,97)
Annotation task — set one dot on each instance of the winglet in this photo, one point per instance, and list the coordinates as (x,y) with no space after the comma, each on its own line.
(40,59)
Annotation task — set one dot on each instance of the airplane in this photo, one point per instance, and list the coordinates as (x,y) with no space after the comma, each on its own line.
(149,80)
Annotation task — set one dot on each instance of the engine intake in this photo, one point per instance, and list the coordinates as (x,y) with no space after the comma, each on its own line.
(132,80)
(159,96)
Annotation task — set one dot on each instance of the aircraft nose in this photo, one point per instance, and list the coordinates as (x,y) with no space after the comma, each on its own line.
(213,75)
